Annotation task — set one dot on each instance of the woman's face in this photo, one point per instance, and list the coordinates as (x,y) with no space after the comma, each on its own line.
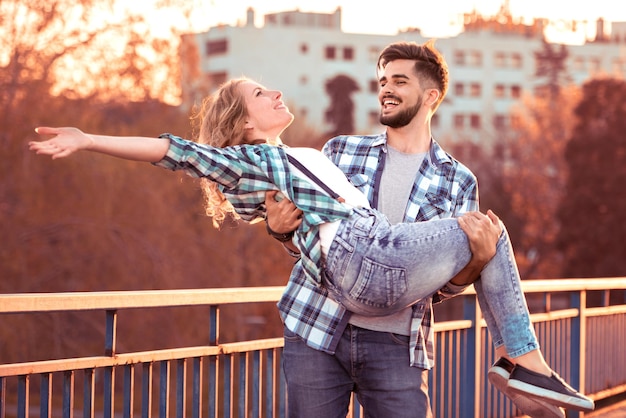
(268,116)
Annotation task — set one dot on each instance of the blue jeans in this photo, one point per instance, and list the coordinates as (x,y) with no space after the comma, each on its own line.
(375,365)
(375,268)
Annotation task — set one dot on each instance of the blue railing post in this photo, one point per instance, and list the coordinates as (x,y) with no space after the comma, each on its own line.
(213,389)
(164,389)
(22,396)
(197,384)
(470,399)
(89,385)
(578,341)
(146,390)
(68,394)
(44,395)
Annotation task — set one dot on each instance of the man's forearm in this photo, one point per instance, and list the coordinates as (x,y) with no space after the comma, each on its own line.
(469,274)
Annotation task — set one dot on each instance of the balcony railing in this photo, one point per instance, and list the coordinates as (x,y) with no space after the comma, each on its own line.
(582,341)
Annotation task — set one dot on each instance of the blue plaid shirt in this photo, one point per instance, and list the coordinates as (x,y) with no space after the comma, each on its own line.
(443,188)
(244,173)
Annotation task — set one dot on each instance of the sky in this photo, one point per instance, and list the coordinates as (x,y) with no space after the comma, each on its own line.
(436,18)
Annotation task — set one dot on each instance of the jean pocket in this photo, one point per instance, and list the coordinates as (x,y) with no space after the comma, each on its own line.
(290,335)
(400,339)
(378,285)
(339,257)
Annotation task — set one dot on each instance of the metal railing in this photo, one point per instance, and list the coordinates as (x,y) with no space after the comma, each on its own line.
(583,343)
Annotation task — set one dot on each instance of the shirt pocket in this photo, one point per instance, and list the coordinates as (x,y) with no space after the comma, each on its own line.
(435,206)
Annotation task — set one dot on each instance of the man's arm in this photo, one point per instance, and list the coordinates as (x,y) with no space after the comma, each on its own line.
(483,232)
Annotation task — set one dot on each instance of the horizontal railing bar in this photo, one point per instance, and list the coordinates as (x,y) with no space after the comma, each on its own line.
(77,301)
(245,346)
(566,285)
(453,325)
(554,315)
(606,310)
(573,285)
(60,365)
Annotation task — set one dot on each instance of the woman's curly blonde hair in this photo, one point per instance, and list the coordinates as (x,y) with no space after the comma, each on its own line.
(220,122)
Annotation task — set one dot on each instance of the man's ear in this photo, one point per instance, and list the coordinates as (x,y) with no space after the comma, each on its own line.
(432,96)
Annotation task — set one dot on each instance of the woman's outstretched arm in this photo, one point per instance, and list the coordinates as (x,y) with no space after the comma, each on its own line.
(66,141)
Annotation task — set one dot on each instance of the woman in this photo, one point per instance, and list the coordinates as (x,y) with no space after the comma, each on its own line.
(344,243)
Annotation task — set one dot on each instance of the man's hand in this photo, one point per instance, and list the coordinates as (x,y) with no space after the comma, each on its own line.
(284,215)
(483,232)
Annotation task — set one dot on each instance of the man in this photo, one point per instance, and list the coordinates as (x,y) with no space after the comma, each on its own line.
(329,352)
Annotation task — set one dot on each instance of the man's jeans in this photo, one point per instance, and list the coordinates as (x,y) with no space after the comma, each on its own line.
(375,268)
(375,365)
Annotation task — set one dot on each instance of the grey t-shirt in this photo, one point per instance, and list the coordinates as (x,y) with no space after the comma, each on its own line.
(396,183)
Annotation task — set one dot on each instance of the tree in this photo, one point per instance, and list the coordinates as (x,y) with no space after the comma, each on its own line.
(340,113)
(89,222)
(551,64)
(534,177)
(593,210)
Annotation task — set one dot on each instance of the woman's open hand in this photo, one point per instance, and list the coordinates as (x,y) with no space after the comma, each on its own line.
(64,142)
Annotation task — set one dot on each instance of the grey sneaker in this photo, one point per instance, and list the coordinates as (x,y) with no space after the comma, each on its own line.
(499,374)
(550,388)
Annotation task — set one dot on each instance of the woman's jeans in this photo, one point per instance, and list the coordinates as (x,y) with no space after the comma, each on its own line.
(375,268)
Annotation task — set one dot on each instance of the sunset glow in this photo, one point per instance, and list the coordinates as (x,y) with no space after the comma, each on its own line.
(436,19)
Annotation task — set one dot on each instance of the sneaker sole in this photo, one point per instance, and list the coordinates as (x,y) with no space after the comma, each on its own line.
(556,398)
(531,406)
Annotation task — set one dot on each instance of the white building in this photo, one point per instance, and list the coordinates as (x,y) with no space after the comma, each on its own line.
(492,65)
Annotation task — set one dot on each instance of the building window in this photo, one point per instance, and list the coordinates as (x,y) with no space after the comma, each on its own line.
(499,122)
(579,64)
(348,53)
(330,53)
(373,52)
(304,80)
(475,89)
(459,57)
(476,59)
(618,66)
(595,64)
(217,78)
(304,48)
(459,121)
(373,118)
(516,60)
(499,60)
(475,121)
(374,86)
(219,46)
(459,89)
(516,91)
(499,90)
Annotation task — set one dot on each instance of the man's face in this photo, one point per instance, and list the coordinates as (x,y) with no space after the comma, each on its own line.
(400,94)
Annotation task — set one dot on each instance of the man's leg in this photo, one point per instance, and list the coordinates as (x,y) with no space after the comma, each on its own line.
(386,385)
(318,384)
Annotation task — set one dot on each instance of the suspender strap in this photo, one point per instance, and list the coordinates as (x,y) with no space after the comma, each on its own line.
(312,176)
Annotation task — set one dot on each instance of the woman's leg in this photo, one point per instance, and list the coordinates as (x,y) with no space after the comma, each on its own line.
(374,268)
(503,303)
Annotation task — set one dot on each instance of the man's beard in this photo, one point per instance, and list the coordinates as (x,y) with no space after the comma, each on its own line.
(403,118)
